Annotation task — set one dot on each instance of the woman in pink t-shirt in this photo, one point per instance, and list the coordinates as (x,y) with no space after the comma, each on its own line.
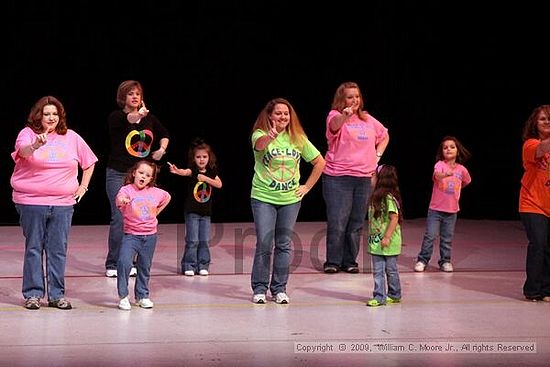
(449,177)
(140,202)
(356,142)
(45,185)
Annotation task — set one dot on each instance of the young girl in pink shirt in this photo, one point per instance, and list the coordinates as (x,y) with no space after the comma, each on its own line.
(140,203)
(449,177)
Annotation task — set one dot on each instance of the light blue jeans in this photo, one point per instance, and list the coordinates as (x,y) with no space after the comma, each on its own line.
(46,230)
(113,182)
(346,200)
(440,224)
(144,247)
(197,235)
(385,267)
(274,225)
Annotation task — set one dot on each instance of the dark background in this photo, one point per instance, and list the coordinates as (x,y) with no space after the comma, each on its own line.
(426,70)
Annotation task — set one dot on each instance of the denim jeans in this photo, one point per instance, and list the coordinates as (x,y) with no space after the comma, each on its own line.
(46,230)
(197,235)
(537,265)
(144,247)
(442,224)
(274,224)
(346,200)
(382,267)
(113,182)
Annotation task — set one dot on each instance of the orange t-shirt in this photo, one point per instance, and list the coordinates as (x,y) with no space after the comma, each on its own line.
(534,196)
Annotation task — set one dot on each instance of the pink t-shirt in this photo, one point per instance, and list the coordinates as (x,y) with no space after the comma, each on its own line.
(352,149)
(140,215)
(446,192)
(50,175)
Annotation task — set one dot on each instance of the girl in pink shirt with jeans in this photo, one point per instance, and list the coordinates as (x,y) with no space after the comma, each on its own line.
(140,203)
(449,177)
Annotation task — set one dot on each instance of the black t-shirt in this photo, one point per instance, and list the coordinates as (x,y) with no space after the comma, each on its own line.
(199,194)
(130,143)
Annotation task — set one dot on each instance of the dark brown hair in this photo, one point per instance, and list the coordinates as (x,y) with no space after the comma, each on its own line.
(530,130)
(462,153)
(198,144)
(387,184)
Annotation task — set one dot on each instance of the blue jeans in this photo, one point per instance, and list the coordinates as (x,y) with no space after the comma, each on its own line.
(346,200)
(537,266)
(274,224)
(442,224)
(197,234)
(382,267)
(113,182)
(144,247)
(46,230)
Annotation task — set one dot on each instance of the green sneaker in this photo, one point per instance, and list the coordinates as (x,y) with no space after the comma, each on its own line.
(390,301)
(374,303)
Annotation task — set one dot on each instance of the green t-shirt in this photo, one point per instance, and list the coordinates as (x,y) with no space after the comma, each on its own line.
(377,228)
(277,168)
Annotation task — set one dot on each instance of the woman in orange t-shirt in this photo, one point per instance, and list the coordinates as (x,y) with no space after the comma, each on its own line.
(534,203)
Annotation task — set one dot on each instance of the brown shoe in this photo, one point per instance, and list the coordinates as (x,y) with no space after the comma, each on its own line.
(32,303)
(61,303)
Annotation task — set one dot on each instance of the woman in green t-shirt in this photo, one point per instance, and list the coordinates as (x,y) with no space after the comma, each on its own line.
(279,143)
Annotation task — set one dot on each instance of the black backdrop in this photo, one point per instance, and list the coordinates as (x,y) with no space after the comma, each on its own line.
(426,70)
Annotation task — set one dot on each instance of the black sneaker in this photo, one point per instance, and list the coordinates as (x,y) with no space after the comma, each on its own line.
(352,269)
(330,269)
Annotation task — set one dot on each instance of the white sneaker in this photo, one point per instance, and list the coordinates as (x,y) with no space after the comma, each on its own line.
(282,298)
(446,267)
(203,272)
(111,273)
(419,266)
(145,303)
(189,273)
(133,271)
(259,298)
(124,304)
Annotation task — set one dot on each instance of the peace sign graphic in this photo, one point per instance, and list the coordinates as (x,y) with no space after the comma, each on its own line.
(282,168)
(202,192)
(139,148)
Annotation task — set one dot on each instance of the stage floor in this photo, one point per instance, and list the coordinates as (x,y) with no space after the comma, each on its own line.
(475,316)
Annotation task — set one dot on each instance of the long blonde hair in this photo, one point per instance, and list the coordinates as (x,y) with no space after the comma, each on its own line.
(294,127)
